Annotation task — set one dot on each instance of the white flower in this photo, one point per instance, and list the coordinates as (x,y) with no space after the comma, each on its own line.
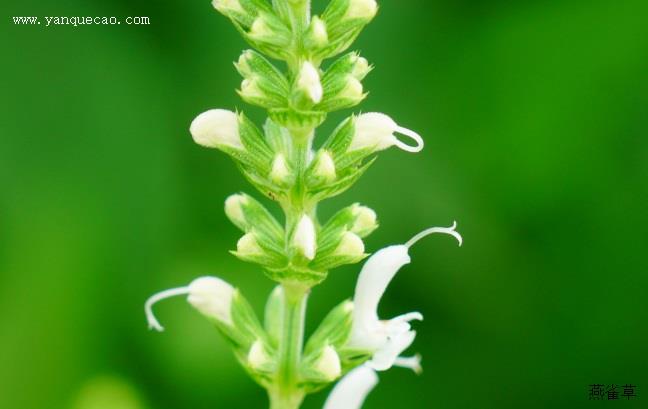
(364,9)
(216,127)
(352,390)
(387,339)
(309,82)
(211,296)
(376,131)
(329,363)
(304,238)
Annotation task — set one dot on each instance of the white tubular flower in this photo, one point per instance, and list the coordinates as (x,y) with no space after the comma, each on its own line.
(211,296)
(376,131)
(309,82)
(304,238)
(352,390)
(362,9)
(329,364)
(216,127)
(387,339)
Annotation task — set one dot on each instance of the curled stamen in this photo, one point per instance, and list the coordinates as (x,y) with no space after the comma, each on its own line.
(413,135)
(153,323)
(445,230)
(410,362)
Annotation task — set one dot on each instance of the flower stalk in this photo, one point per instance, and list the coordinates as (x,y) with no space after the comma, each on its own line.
(287,165)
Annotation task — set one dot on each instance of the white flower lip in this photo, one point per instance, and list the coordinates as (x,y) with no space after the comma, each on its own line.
(352,390)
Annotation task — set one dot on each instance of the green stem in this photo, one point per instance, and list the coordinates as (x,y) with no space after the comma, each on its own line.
(287,393)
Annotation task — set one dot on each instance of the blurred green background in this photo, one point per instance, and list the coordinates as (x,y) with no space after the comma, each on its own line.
(535,117)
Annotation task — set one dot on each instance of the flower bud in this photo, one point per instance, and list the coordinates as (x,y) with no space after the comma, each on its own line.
(324,166)
(309,82)
(248,246)
(376,131)
(350,95)
(328,365)
(257,356)
(215,128)
(361,68)
(350,246)
(260,30)
(304,239)
(362,9)
(234,209)
(280,172)
(212,297)
(317,36)
(227,6)
(270,35)
(365,220)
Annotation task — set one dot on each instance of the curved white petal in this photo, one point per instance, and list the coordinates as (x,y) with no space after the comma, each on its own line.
(410,362)
(386,356)
(374,278)
(352,390)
